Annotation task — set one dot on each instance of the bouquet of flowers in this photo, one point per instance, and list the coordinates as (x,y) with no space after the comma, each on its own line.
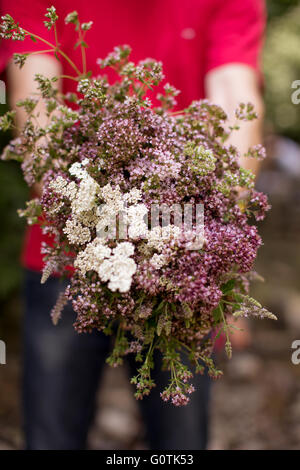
(143,207)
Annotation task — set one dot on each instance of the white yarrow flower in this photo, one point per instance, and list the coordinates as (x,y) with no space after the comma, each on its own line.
(124,249)
(105,270)
(77,234)
(76,170)
(120,284)
(123,266)
(158,261)
(92,256)
(134,196)
(85,199)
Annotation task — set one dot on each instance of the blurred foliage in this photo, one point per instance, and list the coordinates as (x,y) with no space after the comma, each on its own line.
(277,8)
(13,193)
(282,66)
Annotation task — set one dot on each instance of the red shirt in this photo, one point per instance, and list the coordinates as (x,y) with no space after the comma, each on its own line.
(190,37)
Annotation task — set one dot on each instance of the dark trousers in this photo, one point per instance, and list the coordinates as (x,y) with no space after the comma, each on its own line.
(62,370)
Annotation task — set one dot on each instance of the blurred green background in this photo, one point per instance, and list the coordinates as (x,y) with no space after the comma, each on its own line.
(13,193)
(282,66)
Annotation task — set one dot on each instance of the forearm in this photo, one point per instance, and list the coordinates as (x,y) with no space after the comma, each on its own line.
(229,86)
(21,84)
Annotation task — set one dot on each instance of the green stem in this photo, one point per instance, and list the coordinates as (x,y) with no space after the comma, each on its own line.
(149,352)
(55,49)
(83,54)
(174,113)
(69,61)
(39,38)
(229,303)
(69,77)
(55,35)
(225,327)
(39,52)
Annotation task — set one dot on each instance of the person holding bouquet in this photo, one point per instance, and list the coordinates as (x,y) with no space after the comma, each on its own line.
(209,48)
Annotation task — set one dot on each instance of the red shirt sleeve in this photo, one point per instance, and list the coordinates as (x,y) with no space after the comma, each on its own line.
(235,33)
(31,16)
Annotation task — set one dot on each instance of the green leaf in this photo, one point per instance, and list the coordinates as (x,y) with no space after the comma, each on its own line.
(187,310)
(236,306)
(217,313)
(228,286)
(160,325)
(168,327)
(219,334)
(160,306)
(239,298)
(81,43)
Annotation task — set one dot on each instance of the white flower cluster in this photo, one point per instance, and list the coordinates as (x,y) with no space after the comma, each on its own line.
(77,234)
(156,240)
(158,260)
(85,198)
(119,268)
(87,191)
(157,236)
(136,224)
(134,196)
(92,256)
(117,205)
(82,196)
(60,186)
(113,266)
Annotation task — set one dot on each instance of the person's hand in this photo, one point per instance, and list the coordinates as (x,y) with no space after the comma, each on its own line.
(22,84)
(241,338)
(38,189)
